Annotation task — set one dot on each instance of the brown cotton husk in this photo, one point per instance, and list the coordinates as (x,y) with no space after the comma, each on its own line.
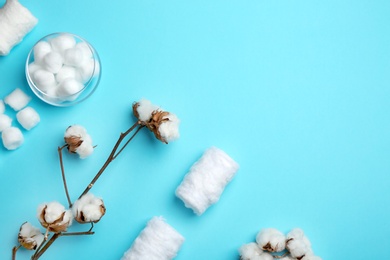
(135,112)
(56,226)
(27,242)
(73,143)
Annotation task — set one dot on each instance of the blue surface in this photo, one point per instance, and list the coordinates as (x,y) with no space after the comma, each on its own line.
(297,92)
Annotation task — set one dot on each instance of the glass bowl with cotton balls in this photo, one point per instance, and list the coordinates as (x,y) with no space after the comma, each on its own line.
(63,69)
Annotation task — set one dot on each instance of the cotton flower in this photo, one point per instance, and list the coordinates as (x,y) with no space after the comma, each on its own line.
(164,125)
(78,141)
(298,244)
(271,240)
(88,209)
(29,236)
(54,217)
(252,251)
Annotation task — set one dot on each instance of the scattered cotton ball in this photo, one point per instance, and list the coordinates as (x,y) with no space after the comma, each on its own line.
(271,240)
(54,217)
(78,141)
(169,128)
(206,180)
(15,22)
(88,209)
(67,72)
(29,236)
(69,89)
(298,244)
(2,106)
(62,42)
(157,241)
(12,138)
(252,251)
(74,57)
(40,50)
(28,118)
(17,99)
(44,80)
(53,62)
(5,122)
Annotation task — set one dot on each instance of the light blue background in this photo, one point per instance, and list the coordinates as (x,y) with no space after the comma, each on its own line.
(297,92)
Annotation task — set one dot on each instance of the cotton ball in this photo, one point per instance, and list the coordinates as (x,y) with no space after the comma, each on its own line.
(33,67)
(89,69)
(12,138)
(28,118)
(40,50)
(252,251)
(44,79)
(298,244)
(67,72)
(2,106)
(85,48)
(53,62)
(68,89)
(85,149)
(62,42)
(271,240)
(88,209)
(5,122)
(74,57)
(17,99)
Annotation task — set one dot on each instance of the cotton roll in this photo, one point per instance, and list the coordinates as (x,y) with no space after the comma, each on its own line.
(206,180)
(15,22)
(28,118)
(158,241)
(17,99)
(5,122)
(12,138)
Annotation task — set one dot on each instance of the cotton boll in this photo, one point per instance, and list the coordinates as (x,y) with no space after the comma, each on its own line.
(17,99)
(29,236)
(40,50)
(44,80)
(88,209)
(271,240)
(75,130)
(169,130)
(85,149)
(157,241)
(28,118)
(12,138)
(298,244)
(62,42)
(78,141)
(54,217)
(144,109)
(252,251)
(67,72)
(2,106)
(74,57)
(68,89)
(53,62)
(5,122)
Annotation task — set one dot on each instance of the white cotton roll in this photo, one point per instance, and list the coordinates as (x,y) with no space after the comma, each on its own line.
(17,99)
(15,22)
(28,118)
(67,72)
(74,57)
(68,89)
(12,138)
(44,79)
(206,180)
(2,106)
(62,43)
(40,50)
(53,62)
(158,241)
(5,122)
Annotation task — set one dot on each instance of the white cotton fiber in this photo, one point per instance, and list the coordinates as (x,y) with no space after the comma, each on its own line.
(17,99)
(271,239)
(40,50)
(68,88)
(28,118)
(85,48)
(169,130)
(298,244)
(74,57)
(5,122)
(15,22)
(33,67)
(252,251)
(145,109)
(88,69)
(44,80)
(53,62)
(2,106)
(62,43)
(206,180)
(12,138)
(67,72)
(158,241)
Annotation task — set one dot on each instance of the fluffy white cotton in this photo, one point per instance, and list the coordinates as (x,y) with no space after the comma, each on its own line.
(62,43)
(145,109)
(252,251)
(158,241)
(5,122)
(15,22)
(297,243)
(271,239)
(51,212)
(30,236)
(67,72)
(86,148)
(44,80)
(90,207)
(17,99)
(287,258)
(2,106)
(33,67)
(206,180)
(74,57)
(40,50)
(75,130)
(53,62)
(28,118)
(12,138)
(88,69)
(85,48)
(169,130)
(69,89)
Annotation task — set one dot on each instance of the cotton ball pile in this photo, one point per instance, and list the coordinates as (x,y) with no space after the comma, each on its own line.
(78,141)
(62,66)
(272,243)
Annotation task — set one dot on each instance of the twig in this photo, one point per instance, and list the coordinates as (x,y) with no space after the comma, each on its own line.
(14,250)
(63,174)
(128,141)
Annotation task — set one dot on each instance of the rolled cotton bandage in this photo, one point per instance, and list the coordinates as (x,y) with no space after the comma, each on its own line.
(12,138)
(17,99)
(28,118)
(158,241)
(15,22)
(206,180)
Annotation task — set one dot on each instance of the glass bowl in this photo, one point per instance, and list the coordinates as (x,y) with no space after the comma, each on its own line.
(63,69)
